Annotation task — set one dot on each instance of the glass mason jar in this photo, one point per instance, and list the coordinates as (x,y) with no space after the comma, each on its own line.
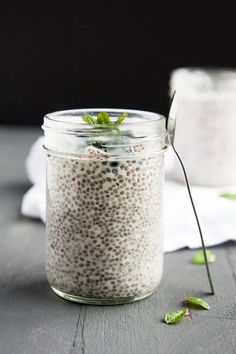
(206,125)
(104,206)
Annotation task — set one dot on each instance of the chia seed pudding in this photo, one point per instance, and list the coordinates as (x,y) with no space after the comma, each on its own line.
(104,223)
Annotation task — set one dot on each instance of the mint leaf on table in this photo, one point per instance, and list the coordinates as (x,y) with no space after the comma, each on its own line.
(196,301)
(230,196)
(199,259)
(121,117)
(174,316)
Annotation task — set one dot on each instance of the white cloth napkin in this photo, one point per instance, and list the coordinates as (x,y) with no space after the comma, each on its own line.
(217,215)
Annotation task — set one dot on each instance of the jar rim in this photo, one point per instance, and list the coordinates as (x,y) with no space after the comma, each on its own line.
(66,131)
(199,80)
(207,69)
(66,118)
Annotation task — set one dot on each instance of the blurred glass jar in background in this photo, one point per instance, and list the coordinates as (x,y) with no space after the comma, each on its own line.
(206,125)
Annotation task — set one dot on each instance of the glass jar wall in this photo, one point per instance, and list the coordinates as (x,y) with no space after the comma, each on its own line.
(104,206)
(205,134)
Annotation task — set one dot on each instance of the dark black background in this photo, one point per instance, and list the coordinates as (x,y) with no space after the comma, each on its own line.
(76,54)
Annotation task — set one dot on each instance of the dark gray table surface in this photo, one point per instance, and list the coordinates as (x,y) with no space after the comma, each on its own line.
(34,320)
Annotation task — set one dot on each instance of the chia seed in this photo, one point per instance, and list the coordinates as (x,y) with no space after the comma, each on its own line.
(104,234)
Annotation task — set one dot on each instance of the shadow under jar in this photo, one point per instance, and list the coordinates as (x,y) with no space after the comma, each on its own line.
(104,206)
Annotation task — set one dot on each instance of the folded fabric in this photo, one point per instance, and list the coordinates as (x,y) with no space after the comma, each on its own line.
(34,200)
(217,215)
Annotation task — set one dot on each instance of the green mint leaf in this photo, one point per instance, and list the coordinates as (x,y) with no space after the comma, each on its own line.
(196,301)
(103,118)
(199,259)
(89,119)
(174,316)
(121,117)
(230,196)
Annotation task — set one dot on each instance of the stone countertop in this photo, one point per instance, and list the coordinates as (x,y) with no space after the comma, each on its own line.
(35,320)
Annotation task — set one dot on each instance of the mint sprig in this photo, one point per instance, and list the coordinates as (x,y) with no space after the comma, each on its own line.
(230,196)
(177,315)
(199,259)
(110,127)
(196,301)
(103,118)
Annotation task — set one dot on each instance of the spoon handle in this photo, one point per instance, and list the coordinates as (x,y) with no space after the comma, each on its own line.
(197,219)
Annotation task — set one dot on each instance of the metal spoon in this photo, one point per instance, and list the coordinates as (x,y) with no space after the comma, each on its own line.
(170,126)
